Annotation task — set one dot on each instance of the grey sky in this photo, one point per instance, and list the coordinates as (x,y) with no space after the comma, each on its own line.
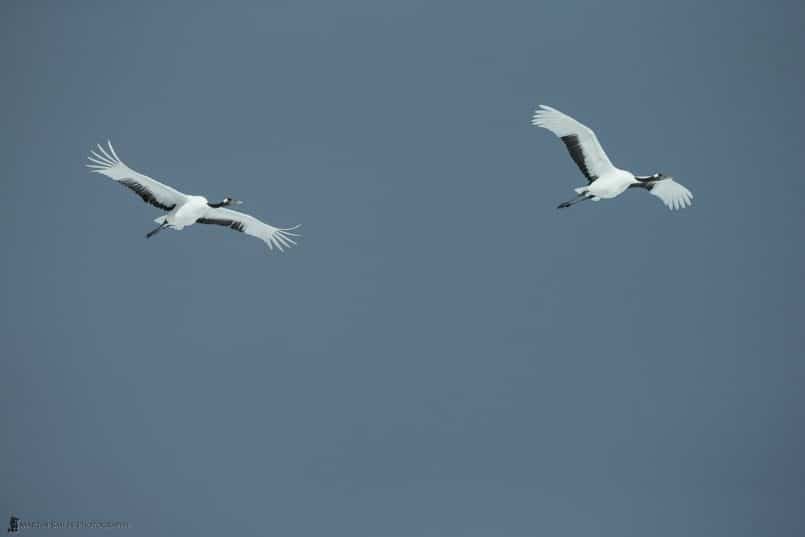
(444,353)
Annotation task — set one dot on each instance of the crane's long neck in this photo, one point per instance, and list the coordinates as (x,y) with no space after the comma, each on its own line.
(644,181)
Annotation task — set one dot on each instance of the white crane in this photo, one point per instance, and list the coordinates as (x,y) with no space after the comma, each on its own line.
(604,180)
(184,210)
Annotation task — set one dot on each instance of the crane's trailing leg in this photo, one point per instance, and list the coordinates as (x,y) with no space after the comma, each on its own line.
(162,226)
(581,197)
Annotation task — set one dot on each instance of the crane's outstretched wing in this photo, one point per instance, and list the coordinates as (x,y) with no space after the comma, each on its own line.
(672,194)
(273,236)
(579,139)
(106,162)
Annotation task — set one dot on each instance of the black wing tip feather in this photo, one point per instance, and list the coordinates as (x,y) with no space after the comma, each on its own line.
(571,141)
(104,159)
(146,195)
(231,224)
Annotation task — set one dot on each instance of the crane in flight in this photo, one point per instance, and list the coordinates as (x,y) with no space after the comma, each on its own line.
(604,180)
(184,210)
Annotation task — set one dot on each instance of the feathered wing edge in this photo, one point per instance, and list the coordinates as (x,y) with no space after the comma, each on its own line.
(673,195)
(279,237)
(580,140)
(103,159)
(274,237)
(283,236)
(106,162)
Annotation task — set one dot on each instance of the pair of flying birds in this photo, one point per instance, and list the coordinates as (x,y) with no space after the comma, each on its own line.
(604,181)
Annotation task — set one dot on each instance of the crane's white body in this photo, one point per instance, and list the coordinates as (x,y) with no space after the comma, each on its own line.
(610,185)
(185,210)
(605,180)
(187,214)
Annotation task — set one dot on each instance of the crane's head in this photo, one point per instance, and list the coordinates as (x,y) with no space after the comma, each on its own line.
(224,203)
(659,175)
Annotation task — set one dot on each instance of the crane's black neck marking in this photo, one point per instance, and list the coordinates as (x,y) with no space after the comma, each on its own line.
(646,182)
(219,204)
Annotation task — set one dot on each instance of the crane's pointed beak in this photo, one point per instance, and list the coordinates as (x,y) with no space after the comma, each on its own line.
(236,202)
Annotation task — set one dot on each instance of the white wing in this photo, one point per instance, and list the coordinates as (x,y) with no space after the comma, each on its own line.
(672,194)
(273,236)
(106,162)
(580,140)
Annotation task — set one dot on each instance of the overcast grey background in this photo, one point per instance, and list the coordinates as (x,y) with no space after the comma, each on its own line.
(445,353)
